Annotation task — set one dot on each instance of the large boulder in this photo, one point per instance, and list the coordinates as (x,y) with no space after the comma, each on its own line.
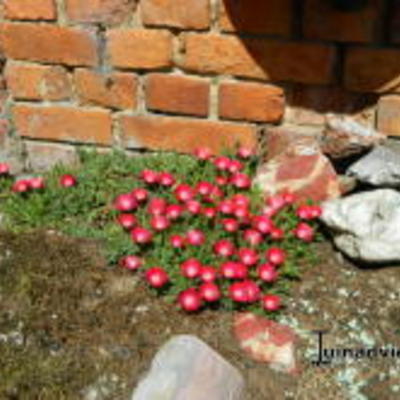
(186,368)
(266,341)
(366,226)
(380,167)
(344,137)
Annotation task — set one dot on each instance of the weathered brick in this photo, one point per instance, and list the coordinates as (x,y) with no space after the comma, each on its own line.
(184,14)
(116,90)
(30,10)
(259,58)
(389,115)
(140,48)
(255,16)
(177,94)
(48,43)
(184,135)
(37,82)
(372,70)
(323,21)
(99,11)
(251,102)
(44,156)
(63,123)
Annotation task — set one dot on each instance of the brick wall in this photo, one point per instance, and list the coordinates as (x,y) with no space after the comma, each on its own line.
(176,74)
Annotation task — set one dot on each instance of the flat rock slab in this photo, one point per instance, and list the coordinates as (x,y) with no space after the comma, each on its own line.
(186,368)
(380,167)
(266,341)
(366,226)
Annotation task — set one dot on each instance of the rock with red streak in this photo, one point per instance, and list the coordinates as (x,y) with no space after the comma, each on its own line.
(344,137)
(266,341)
(306,172)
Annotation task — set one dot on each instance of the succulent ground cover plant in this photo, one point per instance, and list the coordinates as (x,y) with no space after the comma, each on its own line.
(192,226)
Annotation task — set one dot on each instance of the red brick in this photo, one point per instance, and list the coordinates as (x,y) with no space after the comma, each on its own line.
(63,124)
(372,70)
(251,102)
(116,90)
(99,11)
(259,58)
(44,156)
(37,82)
(323,21)
(177,94)
(184,14)
(184,135)
(255,16)
(389,115)
(30,10)
(140,48)
(48,43)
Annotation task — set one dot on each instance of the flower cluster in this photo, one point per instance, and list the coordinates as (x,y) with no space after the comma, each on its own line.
(220,244)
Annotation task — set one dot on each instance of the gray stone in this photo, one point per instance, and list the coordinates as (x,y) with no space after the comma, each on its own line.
(344,137)
(186,368)
(380,167)
(366,226)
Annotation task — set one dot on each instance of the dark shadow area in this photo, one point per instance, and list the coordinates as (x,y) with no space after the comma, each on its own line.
(339,53)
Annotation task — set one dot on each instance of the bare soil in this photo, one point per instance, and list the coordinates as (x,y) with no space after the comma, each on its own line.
(71,326)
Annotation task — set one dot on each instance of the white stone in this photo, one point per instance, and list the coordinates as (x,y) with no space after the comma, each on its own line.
(366,226)
(187,368)
(380,167)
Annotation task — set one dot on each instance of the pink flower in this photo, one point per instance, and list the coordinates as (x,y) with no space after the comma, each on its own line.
(141,235)
(184,192)
(202,153)
(131,262)
(275,255)
(191,268)
(4,169)
(195,237)
(157,206)
(159,223)
(190,300)
(253,237)
(156,277)
(177,241)
(222,163)
(68,181)
(204,188)
(240,180)
(224,248)
(127,221)
(140,194)
(271,302)
(245,152)
(267,273)
(193,206)
(173,211)
(125,203)
(166,179)
(230,224)
(262,223)
(150,176)
(210,292)
(208,274)
(248,256)
(304,232)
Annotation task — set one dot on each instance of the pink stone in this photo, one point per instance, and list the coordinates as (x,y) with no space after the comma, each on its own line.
(266,341)
(308,176)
